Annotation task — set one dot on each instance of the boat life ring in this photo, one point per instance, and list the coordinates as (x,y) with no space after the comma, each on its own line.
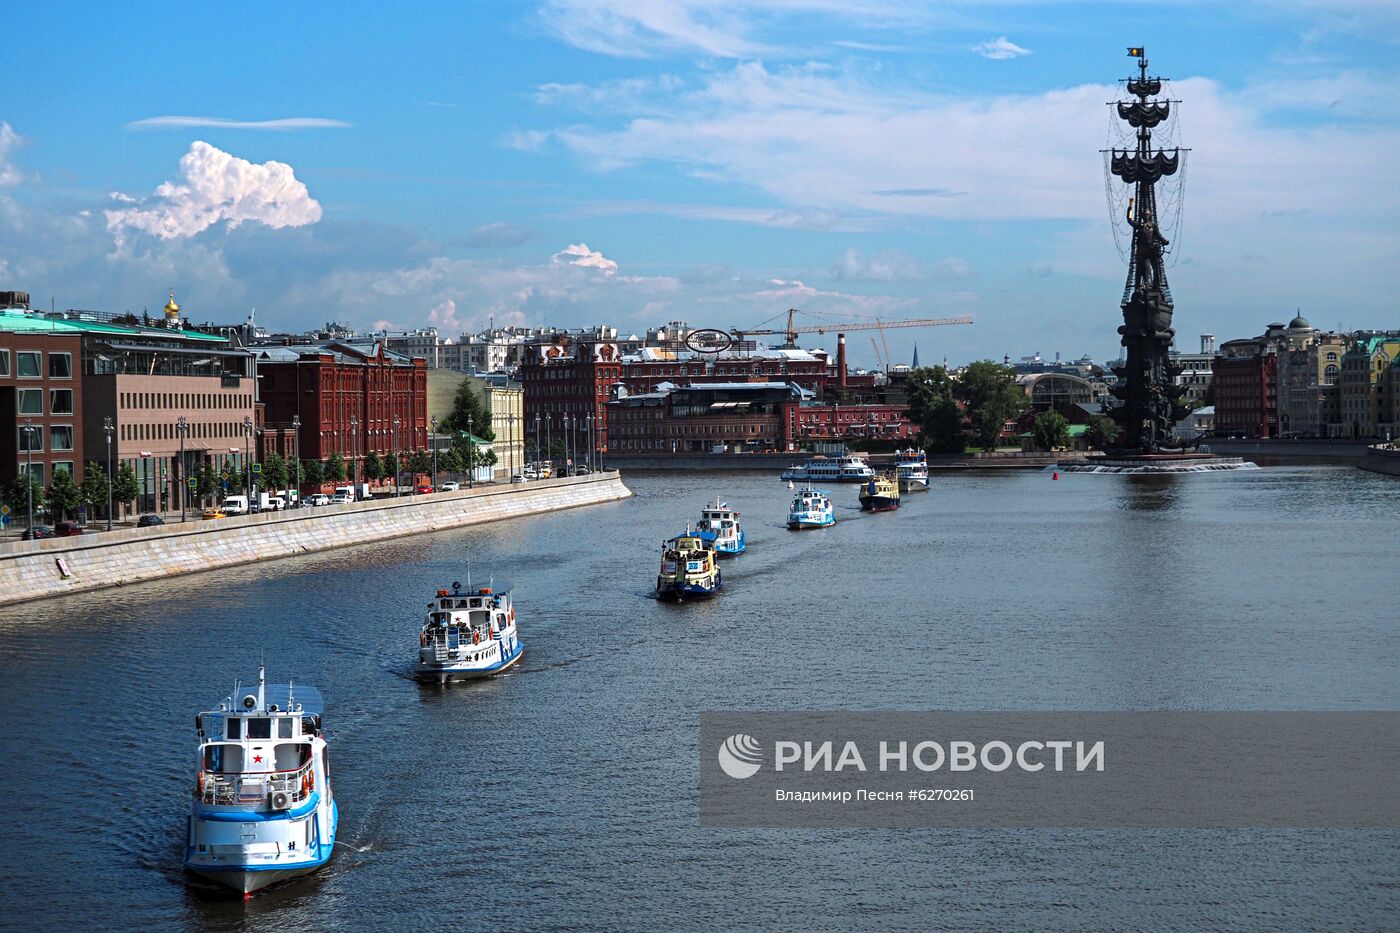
(422,639)
(199,782)
(308,782)
(476,638)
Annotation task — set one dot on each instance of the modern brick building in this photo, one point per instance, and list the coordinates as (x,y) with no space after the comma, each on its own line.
(41,401)
(1246,395)
(848,422)
(733,417)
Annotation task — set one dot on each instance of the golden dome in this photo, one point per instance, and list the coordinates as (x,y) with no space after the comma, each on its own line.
(172,310)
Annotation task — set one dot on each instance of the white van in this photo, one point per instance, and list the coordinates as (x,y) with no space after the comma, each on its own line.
(344,494)
(269,503)
(235,505)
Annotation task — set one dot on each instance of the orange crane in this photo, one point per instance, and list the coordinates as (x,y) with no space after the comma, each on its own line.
(791,331)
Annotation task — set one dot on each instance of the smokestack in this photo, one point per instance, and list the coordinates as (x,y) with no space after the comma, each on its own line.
(1207,343)
(841,359)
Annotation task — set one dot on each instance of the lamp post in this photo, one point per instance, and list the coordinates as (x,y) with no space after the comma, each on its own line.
(433,438)
(247,461)
(592,448)
(354,445)
(296,452)
(549,441)
(182,427)
(568,444)
(29,468)
(394,453)
(107,428)
(537,435)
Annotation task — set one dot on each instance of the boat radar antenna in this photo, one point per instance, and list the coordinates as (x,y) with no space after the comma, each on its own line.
(262,685)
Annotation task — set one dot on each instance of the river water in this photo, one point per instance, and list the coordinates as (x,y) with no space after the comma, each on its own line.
(564,795)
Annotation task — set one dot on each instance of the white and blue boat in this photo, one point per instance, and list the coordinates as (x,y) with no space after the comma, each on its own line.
(811,508)
(719,526)
(911,468)
(468,633)
(263,810)
(820,469)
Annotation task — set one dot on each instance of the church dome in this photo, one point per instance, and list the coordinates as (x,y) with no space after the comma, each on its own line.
(1299,323)
(172,310)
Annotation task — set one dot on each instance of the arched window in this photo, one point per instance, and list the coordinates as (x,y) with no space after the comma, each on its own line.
(1331,373)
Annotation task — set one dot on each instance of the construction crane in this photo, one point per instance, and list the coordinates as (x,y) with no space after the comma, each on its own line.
(878,358)
(791,331)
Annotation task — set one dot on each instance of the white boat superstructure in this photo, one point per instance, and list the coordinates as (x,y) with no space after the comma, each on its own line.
(263,810)
(847,469)
(911,466)
(468,633)
(811,508)
(719,525)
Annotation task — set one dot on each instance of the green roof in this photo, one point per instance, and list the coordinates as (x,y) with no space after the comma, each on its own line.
(20,321)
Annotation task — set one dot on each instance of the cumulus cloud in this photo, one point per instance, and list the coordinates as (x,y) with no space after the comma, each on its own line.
(443,316)
(215,186)
(285,123)
(1000,49)
(496,234)
(887,266)
(578,254)
(9,141)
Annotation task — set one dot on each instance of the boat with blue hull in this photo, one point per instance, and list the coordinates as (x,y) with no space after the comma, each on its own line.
(881,494)
(263,810)
(822,469)
(810,508)
(911,468)
(468,634)
(719,526)
(688,569)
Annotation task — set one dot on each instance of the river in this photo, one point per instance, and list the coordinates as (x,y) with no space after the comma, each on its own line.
(564,795)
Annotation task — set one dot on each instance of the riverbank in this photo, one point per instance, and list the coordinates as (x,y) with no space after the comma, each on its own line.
(57,566)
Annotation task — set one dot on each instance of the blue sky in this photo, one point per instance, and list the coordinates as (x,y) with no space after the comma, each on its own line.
(581,161)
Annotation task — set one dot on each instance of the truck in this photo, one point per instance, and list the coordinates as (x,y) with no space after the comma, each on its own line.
(345,494)
(269,502)
(235,505)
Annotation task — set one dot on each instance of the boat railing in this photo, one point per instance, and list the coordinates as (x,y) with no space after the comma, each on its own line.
(248,788)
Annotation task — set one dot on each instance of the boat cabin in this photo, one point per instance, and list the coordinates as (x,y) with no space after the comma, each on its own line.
(255,746)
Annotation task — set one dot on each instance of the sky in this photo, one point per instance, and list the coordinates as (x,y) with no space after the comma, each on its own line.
(576,162)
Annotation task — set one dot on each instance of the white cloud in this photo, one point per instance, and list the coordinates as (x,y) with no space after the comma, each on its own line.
(444,317)
(216,186)
(887,266)
(578,254)
(1000,49)
(286,123)
(9,141)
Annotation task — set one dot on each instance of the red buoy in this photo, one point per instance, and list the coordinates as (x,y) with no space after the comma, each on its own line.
(1055,475)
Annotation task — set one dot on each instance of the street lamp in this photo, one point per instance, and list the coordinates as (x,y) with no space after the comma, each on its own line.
(568,444)
(537,435)
(433,438)
(107,427)
(549,441)
(296,451)
(394,453)
(354,444)
(592,448)
(29,430)
(247,460)
(182,428)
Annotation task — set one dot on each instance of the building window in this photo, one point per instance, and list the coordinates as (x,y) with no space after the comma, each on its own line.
(28,361)
(31,438)
(30,401)
(60,366)
(61,437)
(4,362)
(36,472)
(61,401)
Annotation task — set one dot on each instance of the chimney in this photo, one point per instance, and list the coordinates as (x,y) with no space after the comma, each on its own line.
(1207,343)
(841,359)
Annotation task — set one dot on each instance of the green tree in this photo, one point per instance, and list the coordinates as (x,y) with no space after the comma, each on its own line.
(206,481)
(63,495)
(335,468)
(235,478)
(311,474)
(992,398)
(1050,430)
(125,487)
(1102,432)
(17,496)
(468,414)
(275,472)
(374,467)
(93,491)
(924,387)
(450,461)
(942,428)
(420,462)
(391,468)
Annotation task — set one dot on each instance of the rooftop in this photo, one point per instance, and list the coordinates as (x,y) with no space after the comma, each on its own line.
(16,320)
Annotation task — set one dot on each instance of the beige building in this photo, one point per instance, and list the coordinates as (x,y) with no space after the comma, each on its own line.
(1309,370)
(1366,398)
(501,397)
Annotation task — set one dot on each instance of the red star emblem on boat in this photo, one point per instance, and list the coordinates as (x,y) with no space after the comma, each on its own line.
(257,759)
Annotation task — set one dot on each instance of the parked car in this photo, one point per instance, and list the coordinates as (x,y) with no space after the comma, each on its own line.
(213,513)
(449,487)
(37,532)
(423,488)
(68,530)
(146,521)
(319,498)
(518,478)
(342,498)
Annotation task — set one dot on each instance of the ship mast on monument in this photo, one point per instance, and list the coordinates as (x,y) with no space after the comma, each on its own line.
(1149,400)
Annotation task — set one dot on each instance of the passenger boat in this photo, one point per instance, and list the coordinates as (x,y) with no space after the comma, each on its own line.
(881,494)
(911,467)
(810,509)
(688,569)
(830,470)
(468,633)
(263,811)
(719,526)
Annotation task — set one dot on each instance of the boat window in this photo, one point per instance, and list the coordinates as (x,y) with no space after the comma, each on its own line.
(260,728)
(284,727)
(234,725)
(289,756)
(223,759)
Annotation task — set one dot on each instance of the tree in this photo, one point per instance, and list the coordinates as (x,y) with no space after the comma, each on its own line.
(925,386)
(991,396)
(311,473)
(1102,433)
(450,461)
(207,481)
(1050,430)
(374,467)
(234,479)
(420,462)
(335,468)
(93,491)
(17,496)
(468,414)
(275,472)
(942,428)
(391,468)
(125,488)
(63,495)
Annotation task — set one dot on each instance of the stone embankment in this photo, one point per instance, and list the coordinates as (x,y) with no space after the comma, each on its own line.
(1271,448)
(53,567)
(1382,458)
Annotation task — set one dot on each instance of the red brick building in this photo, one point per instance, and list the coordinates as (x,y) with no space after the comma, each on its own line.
(647,370)
(348,397)
(728,417)
(1246,395)
(41,402)
(569,380)
(849,422)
